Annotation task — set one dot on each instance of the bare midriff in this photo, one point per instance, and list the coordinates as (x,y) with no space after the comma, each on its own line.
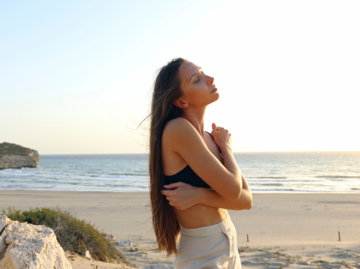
(200,216)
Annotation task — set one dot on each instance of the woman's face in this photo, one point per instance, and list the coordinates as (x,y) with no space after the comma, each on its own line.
(197,87)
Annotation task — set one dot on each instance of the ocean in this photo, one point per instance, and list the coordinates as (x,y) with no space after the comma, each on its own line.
(265,172)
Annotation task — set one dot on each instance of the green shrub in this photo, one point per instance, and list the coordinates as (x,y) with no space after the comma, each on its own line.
(72,234)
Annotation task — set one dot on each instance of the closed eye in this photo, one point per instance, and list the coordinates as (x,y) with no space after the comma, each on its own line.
(198,79)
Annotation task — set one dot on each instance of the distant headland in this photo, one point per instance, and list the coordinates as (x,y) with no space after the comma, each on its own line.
(16,156)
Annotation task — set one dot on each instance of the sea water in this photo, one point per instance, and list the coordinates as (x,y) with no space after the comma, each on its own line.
(265,172)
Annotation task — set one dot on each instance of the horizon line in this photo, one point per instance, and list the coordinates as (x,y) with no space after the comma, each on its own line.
(298,151)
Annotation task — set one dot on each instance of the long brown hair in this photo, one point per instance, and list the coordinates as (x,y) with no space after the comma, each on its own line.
(166,91)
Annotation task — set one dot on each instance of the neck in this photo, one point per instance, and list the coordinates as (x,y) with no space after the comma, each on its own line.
(196,118)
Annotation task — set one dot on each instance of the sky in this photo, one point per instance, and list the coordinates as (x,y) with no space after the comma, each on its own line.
(77,76)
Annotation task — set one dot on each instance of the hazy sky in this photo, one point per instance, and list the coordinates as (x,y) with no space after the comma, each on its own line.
(76,76)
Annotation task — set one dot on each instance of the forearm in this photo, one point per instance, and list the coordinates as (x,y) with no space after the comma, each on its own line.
(213,199)
(231,165)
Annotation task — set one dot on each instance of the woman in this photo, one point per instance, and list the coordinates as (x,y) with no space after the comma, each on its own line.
(193,174)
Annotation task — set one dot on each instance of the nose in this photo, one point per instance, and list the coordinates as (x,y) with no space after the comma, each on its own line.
(210,80)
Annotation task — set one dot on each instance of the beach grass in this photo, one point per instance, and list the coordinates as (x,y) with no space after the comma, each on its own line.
(72,234)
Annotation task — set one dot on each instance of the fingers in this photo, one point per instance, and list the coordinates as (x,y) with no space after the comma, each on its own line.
(173,185)
(213,125)
(178,206)
(174,201)
(171,189)
(218,128)
(167,192)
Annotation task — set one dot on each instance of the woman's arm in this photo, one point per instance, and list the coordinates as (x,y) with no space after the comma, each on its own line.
(213,199)
(186,196)
(182,138)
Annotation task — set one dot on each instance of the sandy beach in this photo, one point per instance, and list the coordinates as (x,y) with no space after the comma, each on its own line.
(293,230)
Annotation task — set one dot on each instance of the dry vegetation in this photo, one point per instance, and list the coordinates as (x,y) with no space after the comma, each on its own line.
(72,234)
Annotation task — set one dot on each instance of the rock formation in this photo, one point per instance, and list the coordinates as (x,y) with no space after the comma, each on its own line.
(15,156)
(126,243)
(88,256)
(24,245)
(4,221)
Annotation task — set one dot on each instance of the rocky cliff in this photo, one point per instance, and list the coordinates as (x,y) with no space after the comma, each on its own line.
(15,156)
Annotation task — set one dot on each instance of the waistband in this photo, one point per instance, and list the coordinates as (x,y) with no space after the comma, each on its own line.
(207,230)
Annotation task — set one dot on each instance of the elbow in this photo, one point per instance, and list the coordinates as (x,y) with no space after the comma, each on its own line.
(249,204)
(244,206)
(246,202)
(234,196)
(235,193)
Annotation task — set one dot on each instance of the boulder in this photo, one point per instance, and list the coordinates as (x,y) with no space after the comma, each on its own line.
(126,243)
(30,246)
(4,221)
(15,156)
(88,256)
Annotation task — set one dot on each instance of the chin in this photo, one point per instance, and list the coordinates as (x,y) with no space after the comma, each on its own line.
(215,98)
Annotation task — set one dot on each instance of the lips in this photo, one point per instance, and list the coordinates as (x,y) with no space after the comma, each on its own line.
(214,90)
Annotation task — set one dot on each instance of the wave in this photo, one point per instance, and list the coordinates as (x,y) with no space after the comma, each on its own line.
(113,175)
(337,176)
(130,189)
(273,190)
(272,184)
(282,180)
(129,174)
(269,177)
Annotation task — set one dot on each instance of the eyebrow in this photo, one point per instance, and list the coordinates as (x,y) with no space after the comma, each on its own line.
(195,73)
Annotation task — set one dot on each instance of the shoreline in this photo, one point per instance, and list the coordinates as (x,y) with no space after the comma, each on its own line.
(256,192)
(237,152)
(302,224)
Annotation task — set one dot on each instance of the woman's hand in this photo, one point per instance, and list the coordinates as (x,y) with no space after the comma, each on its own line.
(221,136)
(181,195)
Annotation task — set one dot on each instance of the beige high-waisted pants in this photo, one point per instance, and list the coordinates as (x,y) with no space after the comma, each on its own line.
(213,246)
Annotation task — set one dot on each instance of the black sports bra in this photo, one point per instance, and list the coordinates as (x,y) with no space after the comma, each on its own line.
(188,176)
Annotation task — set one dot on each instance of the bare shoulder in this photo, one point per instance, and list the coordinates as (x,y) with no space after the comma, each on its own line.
(179,131)
(176,126)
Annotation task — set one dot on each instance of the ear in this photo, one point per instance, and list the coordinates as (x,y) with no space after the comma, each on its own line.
(181,103)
